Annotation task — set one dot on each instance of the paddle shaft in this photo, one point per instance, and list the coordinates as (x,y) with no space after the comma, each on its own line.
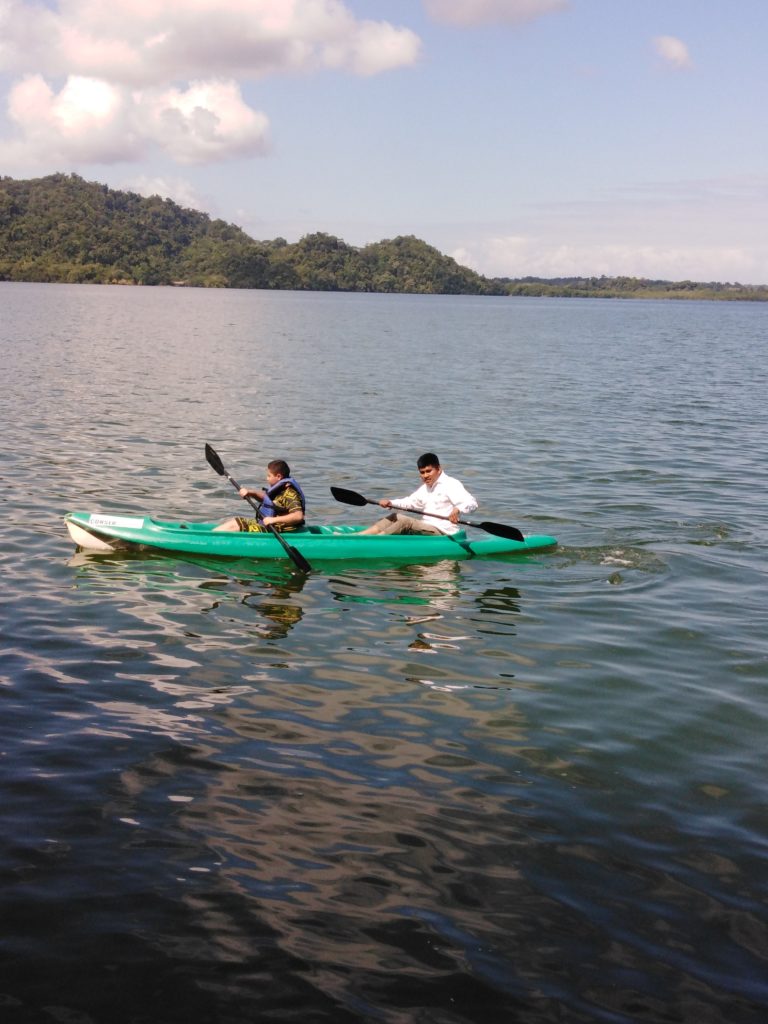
(296,556)
(464,522)
(256,505)
(497,529)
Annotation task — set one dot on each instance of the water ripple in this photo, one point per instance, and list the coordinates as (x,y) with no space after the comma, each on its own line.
(525,789)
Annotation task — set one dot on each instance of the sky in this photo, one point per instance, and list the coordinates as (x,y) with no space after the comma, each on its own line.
(522,137)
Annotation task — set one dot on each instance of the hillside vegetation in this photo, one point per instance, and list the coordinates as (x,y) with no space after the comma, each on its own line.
(62,228)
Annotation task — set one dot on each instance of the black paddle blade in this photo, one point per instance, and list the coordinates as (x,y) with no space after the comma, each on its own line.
(214,461)
(500,530)
(349,497)
(298,559)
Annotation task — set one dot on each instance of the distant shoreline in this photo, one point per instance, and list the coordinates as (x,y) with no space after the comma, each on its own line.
(671,295)
(61,229)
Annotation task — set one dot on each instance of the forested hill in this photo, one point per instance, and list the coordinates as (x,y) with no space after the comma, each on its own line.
(62,228)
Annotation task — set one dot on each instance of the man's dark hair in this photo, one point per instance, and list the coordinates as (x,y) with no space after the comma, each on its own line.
(427,459)
(279,466)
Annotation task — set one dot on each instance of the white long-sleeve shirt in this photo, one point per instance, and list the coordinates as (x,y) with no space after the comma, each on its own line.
(441,498)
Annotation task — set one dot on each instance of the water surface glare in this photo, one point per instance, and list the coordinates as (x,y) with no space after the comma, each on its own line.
(526,790)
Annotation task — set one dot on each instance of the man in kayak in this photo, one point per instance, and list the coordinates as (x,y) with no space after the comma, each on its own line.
(282,503)
(439,493)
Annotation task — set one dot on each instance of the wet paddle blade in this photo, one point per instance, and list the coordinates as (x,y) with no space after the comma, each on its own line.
(296,556)
(500,530)
(214,461)
(349,497)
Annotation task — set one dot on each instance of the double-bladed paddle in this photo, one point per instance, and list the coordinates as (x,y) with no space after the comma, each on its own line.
(217,466)
(497,529)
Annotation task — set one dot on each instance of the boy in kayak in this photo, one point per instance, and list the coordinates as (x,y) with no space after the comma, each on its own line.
(439,493)
(282,503)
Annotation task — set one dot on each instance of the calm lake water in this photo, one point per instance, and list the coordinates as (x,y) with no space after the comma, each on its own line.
(515,790)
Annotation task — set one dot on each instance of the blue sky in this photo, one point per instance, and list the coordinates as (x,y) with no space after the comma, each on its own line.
(545,137)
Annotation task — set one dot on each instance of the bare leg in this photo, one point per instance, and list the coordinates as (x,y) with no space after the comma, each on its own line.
(229,524)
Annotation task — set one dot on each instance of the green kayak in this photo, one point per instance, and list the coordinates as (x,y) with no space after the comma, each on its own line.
(96,531)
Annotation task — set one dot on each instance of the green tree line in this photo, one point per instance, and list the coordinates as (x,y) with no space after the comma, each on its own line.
(61,228)
(632,288)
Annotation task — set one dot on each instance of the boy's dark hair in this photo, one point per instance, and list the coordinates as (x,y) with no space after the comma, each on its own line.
(427,459)
(279,466)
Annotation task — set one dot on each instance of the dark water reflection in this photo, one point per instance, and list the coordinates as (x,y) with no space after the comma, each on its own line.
(525,790)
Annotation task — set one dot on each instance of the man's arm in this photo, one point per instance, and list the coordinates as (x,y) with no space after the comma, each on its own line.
(460,497)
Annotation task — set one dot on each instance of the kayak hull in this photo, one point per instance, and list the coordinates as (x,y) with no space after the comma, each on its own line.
(96,531)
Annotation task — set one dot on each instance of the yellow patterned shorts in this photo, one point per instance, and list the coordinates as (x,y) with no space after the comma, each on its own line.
(254,526)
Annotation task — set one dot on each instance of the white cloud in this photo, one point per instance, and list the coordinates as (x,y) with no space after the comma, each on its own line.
(208,121)
(179,190)
(518,256)
(87,120)
(485,12)
(703,229)
(673,51)
(140,75)
(91,121)
(25,35)
(143,43)
(377,47)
